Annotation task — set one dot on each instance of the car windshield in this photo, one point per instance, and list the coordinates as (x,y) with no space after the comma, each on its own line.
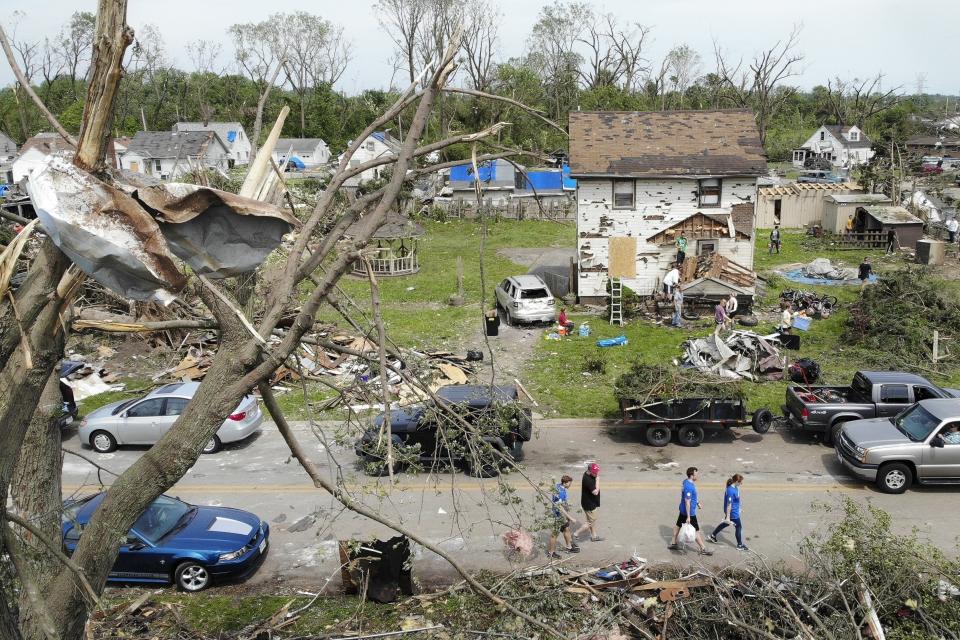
(916,423)
(162,517)
(528,294)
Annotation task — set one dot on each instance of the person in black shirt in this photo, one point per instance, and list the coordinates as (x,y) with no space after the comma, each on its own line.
(590,501)
(892,240)
(865,272)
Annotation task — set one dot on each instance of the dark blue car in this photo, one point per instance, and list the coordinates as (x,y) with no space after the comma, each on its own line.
(178,542)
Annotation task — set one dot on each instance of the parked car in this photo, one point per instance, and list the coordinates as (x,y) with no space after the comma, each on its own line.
(525,298)
(145,420)
(420,434)
(909,447)
(175,542)
(872,394)
(932,168)
(819,176)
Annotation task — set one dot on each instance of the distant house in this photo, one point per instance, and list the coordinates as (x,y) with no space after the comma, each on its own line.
(377,145)
(498,179)
(311,152)
(919,146)
(231,134)
(643,178)
(167,154)
(842,145)
(881,218)
(35,151)
(840,206)
(119,147)
(8,151)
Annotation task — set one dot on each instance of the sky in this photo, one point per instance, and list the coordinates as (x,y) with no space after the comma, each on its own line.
(845,38)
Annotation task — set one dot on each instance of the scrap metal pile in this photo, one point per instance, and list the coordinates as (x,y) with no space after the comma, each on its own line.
(739,354)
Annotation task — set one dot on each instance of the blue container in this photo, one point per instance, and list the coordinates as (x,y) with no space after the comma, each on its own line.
(612,342)
(802,323)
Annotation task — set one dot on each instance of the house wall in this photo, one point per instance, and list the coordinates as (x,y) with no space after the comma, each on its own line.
(802,209)
(659,204)
(369,150)
(240,149)
(316,157)
(27,162)
(169,168)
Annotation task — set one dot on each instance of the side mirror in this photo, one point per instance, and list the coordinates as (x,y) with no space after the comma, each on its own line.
(936,441)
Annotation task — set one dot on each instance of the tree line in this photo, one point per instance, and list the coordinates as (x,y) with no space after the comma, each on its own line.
(576,58)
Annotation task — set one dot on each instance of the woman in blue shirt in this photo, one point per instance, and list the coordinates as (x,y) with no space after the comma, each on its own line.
(731,511)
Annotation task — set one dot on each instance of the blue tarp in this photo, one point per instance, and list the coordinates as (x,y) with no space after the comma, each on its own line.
(464,173)
(231,136)
(544,180)
(797,275)
(568,182)
(296,162)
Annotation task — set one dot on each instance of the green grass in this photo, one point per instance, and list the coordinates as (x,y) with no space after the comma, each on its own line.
(134,387)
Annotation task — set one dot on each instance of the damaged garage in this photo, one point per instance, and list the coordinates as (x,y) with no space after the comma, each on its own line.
(646,177)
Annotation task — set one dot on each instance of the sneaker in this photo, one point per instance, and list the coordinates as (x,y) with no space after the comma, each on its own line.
(712,538)
(555,555)
(574,549)
(742,547)
(673,547)
(706,552)
(596,539)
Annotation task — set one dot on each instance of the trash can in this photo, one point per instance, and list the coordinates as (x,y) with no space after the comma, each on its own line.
(493,323)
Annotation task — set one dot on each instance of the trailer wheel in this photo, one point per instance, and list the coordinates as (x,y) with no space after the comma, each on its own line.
(658,435)
(690,435)
(762,420)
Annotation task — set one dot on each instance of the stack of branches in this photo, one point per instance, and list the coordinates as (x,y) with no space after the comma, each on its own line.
(645,382)
(895,320)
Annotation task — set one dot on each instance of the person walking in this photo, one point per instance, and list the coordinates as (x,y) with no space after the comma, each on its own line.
(892,241)
(681,244)
(731,512)
(677,308)
(561,519)
(688,511)
(590,502)
(864,272)
(775,239)
(720,315)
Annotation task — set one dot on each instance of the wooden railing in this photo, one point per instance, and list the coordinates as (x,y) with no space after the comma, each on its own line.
(389,266)
(858,240)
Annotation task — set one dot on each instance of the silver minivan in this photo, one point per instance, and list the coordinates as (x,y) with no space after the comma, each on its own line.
(525,298)
(143,421)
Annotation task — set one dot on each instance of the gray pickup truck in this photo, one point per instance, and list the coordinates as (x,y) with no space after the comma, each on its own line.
(872,394)
(921,444)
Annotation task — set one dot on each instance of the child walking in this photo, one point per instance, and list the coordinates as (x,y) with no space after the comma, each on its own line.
(731,511)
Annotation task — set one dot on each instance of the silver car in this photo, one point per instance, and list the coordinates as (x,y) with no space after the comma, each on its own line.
(525,298)
(145,420)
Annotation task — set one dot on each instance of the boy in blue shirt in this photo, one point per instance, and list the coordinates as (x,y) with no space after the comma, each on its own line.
(561,519)
(689,503)
(731,511)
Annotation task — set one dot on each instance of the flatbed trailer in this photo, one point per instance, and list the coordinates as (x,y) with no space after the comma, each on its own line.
(688,418)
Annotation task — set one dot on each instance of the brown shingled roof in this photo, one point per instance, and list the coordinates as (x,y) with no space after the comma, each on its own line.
(723,142)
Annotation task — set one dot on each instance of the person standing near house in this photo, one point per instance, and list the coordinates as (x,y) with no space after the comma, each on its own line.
(561,519)
(681,243)
(786,318)
(850,225)
(720,315)
(677,308)
(671,280)
(688,511)
(952,227)
(892,242)
(731,512)
(731,306)
(864,272)
(775,239)
(590,502)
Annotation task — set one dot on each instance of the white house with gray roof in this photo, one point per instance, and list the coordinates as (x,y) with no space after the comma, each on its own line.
(231,134)
(312,152)
(842,145)
(379,144)
(168,154)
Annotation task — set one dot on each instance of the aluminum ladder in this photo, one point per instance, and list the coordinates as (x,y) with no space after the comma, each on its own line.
(616,302)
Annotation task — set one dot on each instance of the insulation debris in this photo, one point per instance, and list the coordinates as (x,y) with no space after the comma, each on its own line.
(741,354)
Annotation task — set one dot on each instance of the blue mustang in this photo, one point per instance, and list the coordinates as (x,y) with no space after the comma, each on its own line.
(177,542)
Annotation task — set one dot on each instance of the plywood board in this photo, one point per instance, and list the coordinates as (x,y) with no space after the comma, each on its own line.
(623,257)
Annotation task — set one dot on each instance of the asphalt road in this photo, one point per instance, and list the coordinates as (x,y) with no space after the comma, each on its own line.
(640,489)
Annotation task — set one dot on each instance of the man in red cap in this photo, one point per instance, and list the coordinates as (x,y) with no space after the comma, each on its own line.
(590,501)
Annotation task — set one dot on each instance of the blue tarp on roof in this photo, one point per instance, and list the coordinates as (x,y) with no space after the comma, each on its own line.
(379,135)
(464,173)
(568,182)
(549,180)
(231,136)
(294,161)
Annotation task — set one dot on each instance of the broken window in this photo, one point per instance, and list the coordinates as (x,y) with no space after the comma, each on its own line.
(705,247)
(623,194)
(710,192)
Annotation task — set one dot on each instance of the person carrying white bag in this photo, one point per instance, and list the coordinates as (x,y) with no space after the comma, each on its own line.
(687,520)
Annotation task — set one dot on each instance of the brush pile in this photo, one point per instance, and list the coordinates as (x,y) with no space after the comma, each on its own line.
(648,381)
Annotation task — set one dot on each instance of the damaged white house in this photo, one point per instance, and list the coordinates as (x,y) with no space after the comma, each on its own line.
(643,178)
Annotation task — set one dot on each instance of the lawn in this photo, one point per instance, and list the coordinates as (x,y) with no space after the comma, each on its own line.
(556,375)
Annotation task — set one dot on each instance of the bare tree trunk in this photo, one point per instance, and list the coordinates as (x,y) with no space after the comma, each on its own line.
(261,103)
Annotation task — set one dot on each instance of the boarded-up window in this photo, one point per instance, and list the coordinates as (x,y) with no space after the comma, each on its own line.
(623,194)
(623,257)
(710,192)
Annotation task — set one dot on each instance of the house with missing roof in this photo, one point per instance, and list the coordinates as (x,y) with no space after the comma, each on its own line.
(168,154)
(643,178)
(230,133)
(844,146)
(36,150)
(303,153)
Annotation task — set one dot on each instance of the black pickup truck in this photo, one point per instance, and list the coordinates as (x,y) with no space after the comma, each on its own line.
(425,434)
(873,394)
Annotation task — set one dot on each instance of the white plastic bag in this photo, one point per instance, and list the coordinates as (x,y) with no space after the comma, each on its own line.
(688,535)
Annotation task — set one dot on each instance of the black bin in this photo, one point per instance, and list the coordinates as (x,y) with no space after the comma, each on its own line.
(493,324)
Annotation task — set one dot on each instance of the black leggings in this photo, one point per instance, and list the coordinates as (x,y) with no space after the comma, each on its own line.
(738,528)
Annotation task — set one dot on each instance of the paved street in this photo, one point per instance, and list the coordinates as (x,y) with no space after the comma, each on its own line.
(640,488)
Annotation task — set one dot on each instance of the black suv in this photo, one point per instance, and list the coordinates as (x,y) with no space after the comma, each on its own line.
(425,435)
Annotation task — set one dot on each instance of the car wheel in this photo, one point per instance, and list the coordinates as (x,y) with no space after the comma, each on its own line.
(213,445)
(482,469)
(762,420)
(658,435)
(748,321)
(895,477)
(832,434)
(690,435)
(192,576)
(102,442)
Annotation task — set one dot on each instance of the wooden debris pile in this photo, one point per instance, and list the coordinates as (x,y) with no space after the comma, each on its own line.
(712,265)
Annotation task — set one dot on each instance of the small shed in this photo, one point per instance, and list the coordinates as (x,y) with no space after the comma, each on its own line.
(879,218)
(392,250)
(838,207)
